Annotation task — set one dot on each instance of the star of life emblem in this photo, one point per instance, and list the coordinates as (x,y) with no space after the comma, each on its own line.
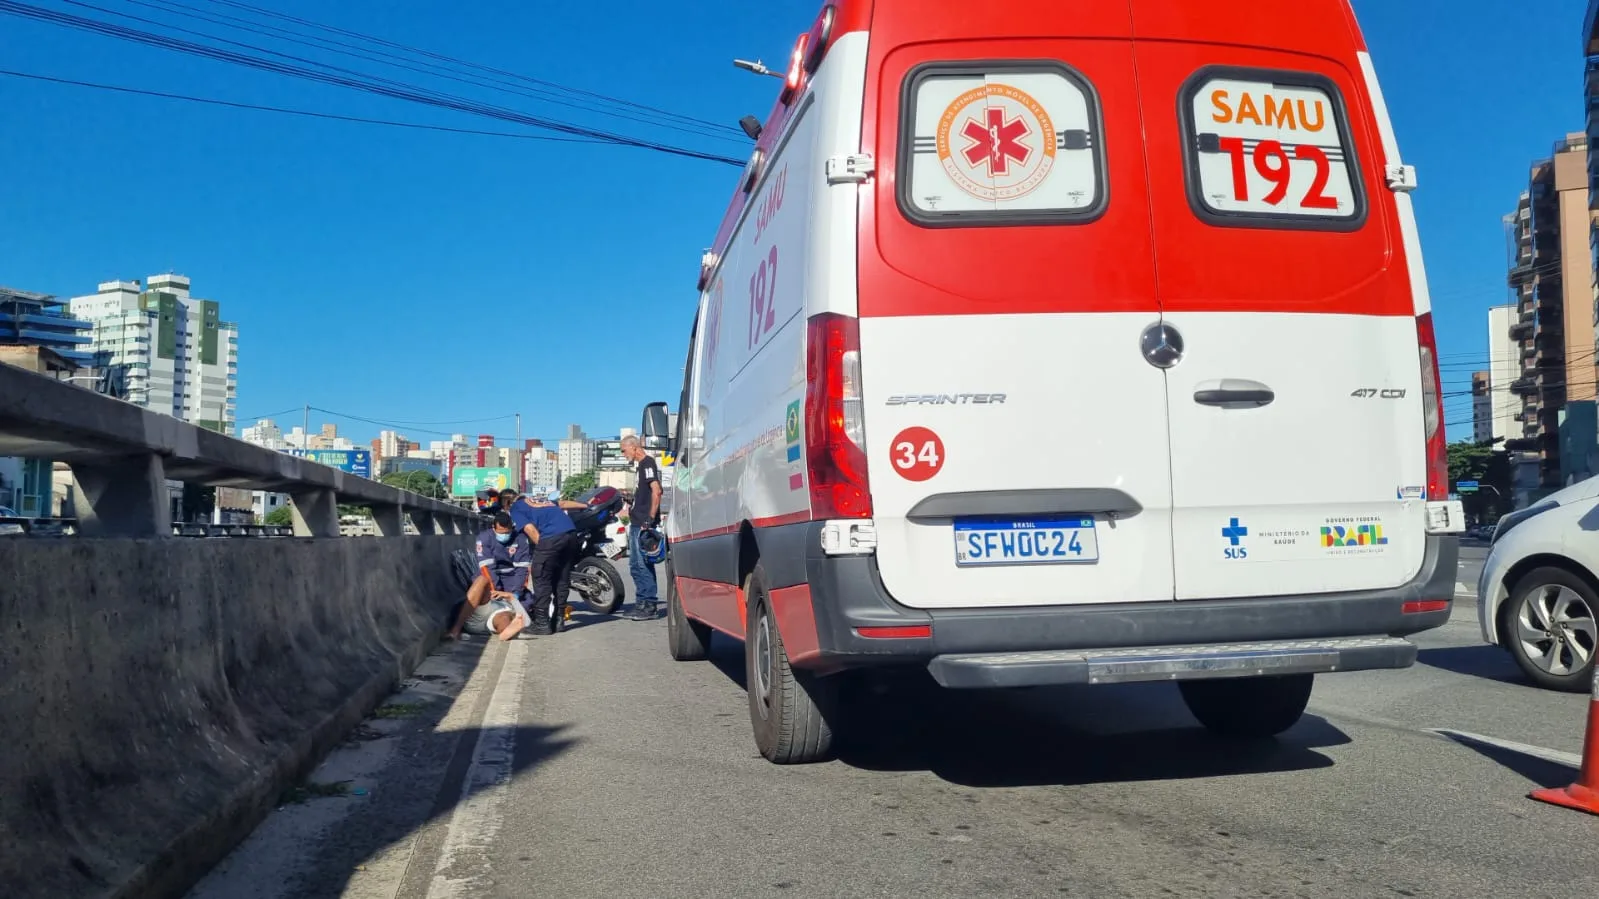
(996,142)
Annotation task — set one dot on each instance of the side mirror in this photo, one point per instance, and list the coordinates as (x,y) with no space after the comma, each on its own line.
(655,430)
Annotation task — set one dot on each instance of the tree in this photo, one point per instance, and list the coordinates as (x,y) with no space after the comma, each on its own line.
(578,483)
(1489,467)
(415,481)
(280,517)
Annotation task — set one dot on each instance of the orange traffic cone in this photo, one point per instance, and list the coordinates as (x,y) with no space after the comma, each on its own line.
(1584,794)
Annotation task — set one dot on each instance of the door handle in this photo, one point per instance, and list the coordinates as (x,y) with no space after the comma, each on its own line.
(1234,393)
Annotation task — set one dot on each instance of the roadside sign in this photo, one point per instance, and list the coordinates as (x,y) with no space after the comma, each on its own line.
(356,462)
(1467,486)
(468,481)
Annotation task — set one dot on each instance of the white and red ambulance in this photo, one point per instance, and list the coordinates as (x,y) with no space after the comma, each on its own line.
(1066,343)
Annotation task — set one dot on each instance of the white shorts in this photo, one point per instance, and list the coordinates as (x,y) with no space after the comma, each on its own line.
(478,622)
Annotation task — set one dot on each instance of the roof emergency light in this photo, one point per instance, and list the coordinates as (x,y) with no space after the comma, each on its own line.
(796,70)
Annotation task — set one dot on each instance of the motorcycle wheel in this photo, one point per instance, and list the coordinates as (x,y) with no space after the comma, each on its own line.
(600,585)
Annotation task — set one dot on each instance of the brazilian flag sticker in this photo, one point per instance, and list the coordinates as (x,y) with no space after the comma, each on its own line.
(791,427)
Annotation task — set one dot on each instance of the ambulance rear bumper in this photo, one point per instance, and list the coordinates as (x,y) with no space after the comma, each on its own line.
(1162,663)
(859,624)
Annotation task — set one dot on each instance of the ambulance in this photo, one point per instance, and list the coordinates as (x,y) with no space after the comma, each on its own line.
(1068,343)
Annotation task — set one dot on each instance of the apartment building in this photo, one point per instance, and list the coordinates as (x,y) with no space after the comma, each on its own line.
(1504,366)
(576,452)
(1482,410)
(181,358)
(1551,278)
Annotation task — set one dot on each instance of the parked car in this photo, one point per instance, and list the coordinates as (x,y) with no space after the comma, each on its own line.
(1538,595)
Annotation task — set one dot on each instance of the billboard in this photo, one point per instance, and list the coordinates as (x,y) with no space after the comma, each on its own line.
(356,462)
(609,453)
(468,481)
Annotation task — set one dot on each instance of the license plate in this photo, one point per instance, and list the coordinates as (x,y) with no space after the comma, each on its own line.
(1038,541)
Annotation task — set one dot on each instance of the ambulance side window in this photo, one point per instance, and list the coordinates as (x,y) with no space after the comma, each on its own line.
(685,401)
(1000,143)
(1270,149)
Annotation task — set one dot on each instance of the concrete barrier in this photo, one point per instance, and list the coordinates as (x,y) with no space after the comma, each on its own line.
(157,695)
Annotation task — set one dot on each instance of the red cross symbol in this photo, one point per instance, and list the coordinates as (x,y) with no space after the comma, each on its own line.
(998,142)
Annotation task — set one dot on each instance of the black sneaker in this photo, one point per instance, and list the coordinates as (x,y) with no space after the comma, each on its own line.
(643,612)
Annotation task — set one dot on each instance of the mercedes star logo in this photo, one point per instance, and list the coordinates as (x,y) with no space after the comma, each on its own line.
(1162,345)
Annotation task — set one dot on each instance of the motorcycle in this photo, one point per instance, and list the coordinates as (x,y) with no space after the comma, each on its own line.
(594,578)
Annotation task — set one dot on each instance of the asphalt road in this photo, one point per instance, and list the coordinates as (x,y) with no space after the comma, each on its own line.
(1472,555)
(589,764)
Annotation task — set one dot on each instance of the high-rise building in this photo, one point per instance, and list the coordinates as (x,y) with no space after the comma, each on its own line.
(182,358)
(576,452)
(541,468)
(265,433)
(1482,413)
(41,320)
(1504,366)
(36,333)
(1551,276)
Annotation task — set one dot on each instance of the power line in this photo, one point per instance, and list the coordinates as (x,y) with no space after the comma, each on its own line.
(660,118)
(368,84)
(299,112)
(460,62)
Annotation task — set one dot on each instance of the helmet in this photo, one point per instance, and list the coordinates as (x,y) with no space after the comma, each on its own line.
(652,545)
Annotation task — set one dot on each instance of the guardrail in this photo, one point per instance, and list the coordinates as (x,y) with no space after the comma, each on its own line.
(122,455)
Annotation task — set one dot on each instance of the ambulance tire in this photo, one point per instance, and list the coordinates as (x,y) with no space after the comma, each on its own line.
(1251,708)
(788,708)
(686,639)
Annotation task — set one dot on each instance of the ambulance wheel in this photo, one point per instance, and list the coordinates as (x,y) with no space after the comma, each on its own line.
(603,590)
(786,705)
(1252,708)
(686,639)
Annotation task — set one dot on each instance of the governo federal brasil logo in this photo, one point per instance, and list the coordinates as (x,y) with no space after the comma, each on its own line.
(996,142)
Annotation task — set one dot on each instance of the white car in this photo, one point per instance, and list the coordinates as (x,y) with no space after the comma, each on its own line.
(1537,596)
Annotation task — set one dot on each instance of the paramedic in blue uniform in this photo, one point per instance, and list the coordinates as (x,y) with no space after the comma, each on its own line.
(504,559)
(555,543)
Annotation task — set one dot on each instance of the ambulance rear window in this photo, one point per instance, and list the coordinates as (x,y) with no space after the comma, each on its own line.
(1000,143)
(1269,149)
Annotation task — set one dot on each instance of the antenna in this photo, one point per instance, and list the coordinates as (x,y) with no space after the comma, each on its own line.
(757,67)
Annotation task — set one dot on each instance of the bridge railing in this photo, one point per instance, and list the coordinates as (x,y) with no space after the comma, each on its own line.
(122,456)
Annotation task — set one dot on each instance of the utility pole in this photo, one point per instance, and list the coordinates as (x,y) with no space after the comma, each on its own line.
(305,436)
(518,431)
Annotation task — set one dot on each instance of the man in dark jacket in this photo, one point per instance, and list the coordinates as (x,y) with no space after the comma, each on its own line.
(555,538)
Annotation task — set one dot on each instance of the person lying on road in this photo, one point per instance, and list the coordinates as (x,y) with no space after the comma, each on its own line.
(504,559)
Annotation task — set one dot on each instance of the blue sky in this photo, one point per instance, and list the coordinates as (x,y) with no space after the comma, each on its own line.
(372,270)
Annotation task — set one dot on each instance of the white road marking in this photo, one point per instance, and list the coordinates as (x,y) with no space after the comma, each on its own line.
(1464,589)
(470,837)
(1538,752)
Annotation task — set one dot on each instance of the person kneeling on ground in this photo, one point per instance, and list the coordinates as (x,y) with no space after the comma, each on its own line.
(504,559)
(555,550)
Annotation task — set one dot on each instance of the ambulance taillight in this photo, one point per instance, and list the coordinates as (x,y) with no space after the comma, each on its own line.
(835,437)
(1432,408)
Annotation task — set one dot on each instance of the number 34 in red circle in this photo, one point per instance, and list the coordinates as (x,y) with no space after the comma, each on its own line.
(917,454)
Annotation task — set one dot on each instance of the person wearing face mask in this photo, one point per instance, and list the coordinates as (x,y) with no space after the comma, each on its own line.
(505,559)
